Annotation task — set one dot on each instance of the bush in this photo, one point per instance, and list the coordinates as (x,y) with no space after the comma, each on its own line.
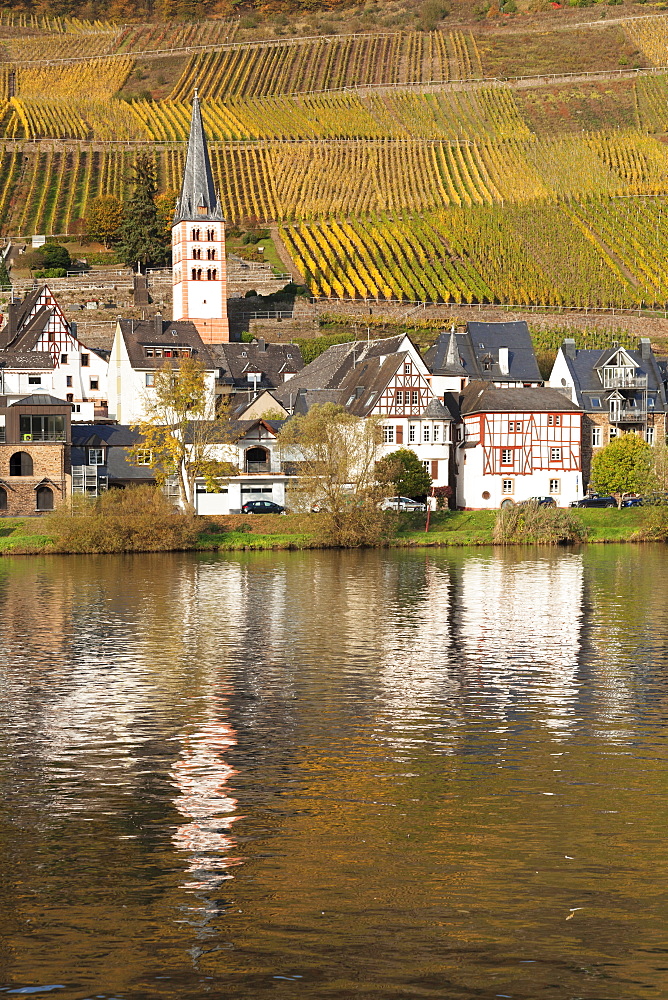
(535,525)
(653,524)
(137,519)
(51,272)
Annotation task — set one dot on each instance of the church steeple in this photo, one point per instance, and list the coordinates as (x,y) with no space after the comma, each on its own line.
(199,278)
(198,199)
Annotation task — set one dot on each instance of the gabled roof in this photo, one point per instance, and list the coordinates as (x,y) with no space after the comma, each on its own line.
(443,357)
(583,366)
(481,397)
(17,312)
(198,201)
(273,361)
(157,332)
(476,353)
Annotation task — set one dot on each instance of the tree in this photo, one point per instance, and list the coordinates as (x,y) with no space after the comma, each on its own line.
(165,204)
(104,220)
(623,466)
(181,435)
(142,235)
(5,280)
(335,457)
(406,472)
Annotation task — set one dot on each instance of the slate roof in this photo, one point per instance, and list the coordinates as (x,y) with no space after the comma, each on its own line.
(26,360)
(588,385)
(116,438)
(157,332)
(16,316)
(364,383)
(480,397)
(478,353)
(435,410)
(273,361)
(198,191)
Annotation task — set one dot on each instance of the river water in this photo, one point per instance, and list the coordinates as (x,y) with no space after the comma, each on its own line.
(336,775)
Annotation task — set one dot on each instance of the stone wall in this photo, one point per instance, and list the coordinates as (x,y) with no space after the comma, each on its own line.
(50,463)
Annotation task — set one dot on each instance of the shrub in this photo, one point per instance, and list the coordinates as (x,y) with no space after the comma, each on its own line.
(653,524)
(51,272)
(535,525)
(137,519)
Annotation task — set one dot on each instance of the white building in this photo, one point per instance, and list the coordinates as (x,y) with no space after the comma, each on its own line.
(516,444)
(78,375)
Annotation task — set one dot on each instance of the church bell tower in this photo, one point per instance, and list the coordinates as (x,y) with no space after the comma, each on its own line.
(199,276)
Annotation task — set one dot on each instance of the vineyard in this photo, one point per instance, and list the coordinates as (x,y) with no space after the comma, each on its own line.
(393,167)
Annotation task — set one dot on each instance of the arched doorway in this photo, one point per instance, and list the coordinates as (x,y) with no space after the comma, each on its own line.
(20,464)
(257,460)
(44,496)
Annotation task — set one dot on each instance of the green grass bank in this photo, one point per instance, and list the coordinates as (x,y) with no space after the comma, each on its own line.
(300,531)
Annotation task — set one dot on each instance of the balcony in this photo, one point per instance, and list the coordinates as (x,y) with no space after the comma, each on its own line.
(628,415)
(257,468)
(619,380)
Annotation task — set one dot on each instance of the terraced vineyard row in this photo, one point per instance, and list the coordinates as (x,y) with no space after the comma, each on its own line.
(547,256)
(330,63)
(53,25)
(485,112)
(650,35)
(71,81)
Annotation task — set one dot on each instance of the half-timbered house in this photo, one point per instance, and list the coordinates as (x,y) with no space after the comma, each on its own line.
(516,444)
(79,374)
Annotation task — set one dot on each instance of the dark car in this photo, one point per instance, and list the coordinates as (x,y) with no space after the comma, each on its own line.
(633,502)
(262,507)
(595,501)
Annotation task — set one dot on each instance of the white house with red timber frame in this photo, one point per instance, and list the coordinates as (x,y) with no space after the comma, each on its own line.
(516,444)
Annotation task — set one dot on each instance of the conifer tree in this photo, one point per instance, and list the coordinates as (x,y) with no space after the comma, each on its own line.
(142,235)
(5,280)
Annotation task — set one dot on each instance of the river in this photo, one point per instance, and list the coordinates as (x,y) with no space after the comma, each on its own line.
(383,775)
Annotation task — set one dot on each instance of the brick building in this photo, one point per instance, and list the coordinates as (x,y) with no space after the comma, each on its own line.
(34,454)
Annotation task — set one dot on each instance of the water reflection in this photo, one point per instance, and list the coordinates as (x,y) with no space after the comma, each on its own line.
(398,774)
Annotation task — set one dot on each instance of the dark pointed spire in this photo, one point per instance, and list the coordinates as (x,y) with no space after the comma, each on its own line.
(198,200)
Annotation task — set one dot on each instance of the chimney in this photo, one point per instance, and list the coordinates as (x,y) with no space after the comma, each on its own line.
(645,348)
(568,347)
(504,361)
(261,344)
(158,323)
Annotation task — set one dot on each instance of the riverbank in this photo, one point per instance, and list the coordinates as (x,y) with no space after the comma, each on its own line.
(19,536)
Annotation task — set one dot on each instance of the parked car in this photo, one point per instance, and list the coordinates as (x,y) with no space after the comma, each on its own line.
(403,503)
(595,501)
(655,500)
(542,501)
(262,507)
(633,502)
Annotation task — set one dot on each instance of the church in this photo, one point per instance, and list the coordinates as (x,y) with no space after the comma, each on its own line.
(199,280)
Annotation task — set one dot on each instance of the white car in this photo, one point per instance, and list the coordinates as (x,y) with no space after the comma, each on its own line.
(403,503)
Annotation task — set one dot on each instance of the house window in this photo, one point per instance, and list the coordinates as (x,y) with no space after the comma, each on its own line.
(143,457)
(554,419)
(411,433)
(613,433)
(388,435)
(20,464)
(51,337)
(63,359)
(94,384)
(425,433)
(96,456)
(34,380)
(437,433)
(69,398)
(400,398)
(415,397)
(649,435)
(407,369)
(555,486)
(506,456)
(596,401)
(506,486)
(515,427)
(555,454)
(85,360)
(69,381)
(150,379)
(596,437)
(47,428)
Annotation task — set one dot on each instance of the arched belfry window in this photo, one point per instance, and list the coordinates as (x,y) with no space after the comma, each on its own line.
(197,274)
(211,254)
(211,274)
(20,464)
(211,234)
(195,235)
(197,253)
